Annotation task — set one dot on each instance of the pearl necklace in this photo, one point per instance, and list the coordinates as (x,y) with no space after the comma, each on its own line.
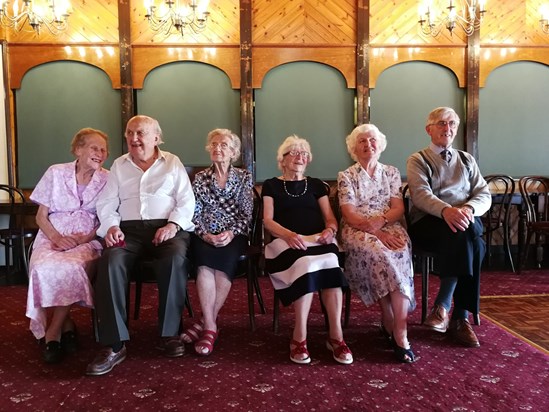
(291,194)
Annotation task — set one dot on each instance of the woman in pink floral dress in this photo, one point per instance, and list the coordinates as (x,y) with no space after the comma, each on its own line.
(65,247)
(378,263)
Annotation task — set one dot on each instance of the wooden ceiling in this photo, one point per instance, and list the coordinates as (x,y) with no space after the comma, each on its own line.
(297,22)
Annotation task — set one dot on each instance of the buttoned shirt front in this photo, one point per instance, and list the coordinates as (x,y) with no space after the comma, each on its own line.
(163,191)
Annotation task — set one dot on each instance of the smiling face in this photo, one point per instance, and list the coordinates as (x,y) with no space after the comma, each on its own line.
(443,129)
(367,147)
(142,139)
(221,150)
(93,153)
(295,160)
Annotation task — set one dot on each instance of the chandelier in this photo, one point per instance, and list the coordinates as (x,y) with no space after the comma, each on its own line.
(469,18)
(29,16)
(544,21)
(175,16)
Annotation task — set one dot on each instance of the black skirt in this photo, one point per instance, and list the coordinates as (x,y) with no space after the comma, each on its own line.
(224,258)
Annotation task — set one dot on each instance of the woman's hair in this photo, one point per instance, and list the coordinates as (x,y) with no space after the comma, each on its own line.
(290,143)
(80,138)
(361,129)
(438,113)
(235,141)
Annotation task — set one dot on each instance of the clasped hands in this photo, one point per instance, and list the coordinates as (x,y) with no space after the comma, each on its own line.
(374,225)
(219,240)
(67,242)
(458,218)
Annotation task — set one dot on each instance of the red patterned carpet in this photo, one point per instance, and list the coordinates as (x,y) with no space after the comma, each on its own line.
(251,371)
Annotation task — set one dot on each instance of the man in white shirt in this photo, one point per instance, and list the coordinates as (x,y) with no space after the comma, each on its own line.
(145,209)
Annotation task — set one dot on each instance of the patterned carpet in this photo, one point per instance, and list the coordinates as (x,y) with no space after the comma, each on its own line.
(251,371)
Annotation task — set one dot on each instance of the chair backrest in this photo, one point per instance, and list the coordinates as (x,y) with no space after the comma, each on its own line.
(535,195)
(16,201)
(502,188)
(407,204)
(256,227)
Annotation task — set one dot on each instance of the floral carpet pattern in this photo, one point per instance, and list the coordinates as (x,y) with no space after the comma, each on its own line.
(251,371)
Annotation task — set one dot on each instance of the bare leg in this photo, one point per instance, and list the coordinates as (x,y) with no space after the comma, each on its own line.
(213,288)
(302,306)
(387,315)
(60,314)
(400,305)
(333,301)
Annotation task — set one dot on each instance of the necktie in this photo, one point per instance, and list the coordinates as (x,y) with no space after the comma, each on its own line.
(446,155)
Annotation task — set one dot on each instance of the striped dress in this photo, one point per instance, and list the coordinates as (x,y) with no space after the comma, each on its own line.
(293,272)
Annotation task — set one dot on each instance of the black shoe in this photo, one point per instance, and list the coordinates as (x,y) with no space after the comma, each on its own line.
(69,341)
(53,352)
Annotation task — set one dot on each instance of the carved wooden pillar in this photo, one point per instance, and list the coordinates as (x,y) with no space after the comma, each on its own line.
(246,91)
(362,63)
(472,95)
(126,82)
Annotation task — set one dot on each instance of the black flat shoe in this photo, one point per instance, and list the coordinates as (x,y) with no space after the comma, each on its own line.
(404,355)
(69,341)
(53,352)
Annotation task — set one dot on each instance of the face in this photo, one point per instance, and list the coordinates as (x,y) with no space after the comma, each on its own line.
(295,159)
(367,146)
(141,138)
(443,130)
(94,152)
(221,150)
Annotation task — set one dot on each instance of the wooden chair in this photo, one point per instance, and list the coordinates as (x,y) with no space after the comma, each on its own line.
(15,236)
(341,256)
(503,189)
(535,197)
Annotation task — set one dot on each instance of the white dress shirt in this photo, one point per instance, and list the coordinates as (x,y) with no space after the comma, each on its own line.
(163,191)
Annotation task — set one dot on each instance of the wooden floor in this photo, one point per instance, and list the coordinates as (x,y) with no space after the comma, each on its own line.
(524,316)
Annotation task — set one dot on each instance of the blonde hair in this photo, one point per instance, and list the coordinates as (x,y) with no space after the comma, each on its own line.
(80,138)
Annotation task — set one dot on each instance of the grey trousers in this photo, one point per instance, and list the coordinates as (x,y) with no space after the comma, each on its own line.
(114,273)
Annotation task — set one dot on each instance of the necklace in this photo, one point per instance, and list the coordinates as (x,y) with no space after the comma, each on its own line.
(291,194)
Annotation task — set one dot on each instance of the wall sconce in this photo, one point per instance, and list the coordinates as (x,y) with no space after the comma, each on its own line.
(544,21)
(468,18)
(35,14)
(176,16)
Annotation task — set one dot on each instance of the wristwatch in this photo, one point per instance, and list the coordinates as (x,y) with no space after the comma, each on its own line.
(177,227)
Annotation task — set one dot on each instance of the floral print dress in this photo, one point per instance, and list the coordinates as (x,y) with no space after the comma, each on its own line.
(372,269)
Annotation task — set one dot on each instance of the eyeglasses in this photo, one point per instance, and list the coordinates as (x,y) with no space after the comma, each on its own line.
(443,123)
(215,145)
(295,153)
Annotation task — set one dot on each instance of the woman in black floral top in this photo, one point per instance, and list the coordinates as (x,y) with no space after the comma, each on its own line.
(223,212)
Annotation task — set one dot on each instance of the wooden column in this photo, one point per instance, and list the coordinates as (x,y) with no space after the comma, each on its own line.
(8,115)
(362,64)
(126,83)
(472,96)
(246,91)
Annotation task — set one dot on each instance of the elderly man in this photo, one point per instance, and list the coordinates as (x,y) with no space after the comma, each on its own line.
(448,195)
(145,209)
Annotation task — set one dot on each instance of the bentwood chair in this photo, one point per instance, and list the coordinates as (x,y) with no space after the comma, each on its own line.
(535,197)
(502,188)
(15,236)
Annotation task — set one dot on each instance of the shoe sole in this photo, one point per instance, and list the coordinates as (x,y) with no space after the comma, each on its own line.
(301,361)
(99,373)
(342,361)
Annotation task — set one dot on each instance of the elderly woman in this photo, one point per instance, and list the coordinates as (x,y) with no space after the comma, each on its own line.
(378,263)
(302,258)
(223,212)
(65,248)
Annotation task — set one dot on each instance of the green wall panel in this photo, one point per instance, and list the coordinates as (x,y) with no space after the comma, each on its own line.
(189,99)
(310,100)
(55,101)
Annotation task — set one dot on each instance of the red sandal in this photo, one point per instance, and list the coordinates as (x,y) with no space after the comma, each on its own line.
(299,348)
(192,334)
(340,351)
(206,343)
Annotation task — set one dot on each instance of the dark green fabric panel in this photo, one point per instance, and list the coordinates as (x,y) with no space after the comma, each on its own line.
(514,120)
(189,99)
(401,101)
(310,100)
(55,101)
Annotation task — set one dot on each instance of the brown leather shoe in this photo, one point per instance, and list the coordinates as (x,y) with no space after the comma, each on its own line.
(105,361)
(438,319)
(462,331)
(173,347)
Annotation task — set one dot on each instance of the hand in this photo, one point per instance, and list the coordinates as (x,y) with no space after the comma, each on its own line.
(295,241)
(62,243)
(373,224)
(164,233)
(114,236)
(457,218)
(219,240)
(326,236)
(391,241)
